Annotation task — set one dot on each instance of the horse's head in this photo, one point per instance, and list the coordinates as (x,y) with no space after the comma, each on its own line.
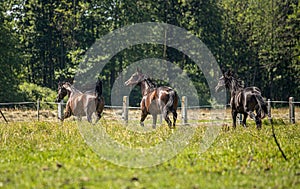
(62,91)
(136,78)
(221,84)
(224,81)
(229,81)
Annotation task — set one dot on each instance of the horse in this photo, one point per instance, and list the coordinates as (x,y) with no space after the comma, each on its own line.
(81,104)
(155,100)
(243,100)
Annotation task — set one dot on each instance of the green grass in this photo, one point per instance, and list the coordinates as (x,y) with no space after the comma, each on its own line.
(51,155)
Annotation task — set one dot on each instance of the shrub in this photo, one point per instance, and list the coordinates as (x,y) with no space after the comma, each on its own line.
(33,92)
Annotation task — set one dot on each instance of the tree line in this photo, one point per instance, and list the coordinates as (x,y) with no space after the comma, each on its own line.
(43,41)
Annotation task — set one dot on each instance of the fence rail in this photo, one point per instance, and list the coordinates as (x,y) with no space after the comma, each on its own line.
(184,109)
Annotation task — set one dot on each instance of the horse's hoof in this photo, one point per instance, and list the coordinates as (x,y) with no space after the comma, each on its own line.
(142,124)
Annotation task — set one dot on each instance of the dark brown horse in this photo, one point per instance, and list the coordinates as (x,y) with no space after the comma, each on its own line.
(81,104)
(243,100)
(156,100)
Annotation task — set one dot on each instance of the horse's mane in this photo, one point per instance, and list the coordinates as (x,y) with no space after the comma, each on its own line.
(232,80)
(150,82)
(72,87)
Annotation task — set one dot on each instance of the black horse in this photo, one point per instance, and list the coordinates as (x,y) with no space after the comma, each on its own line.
(243,100)
(156,100)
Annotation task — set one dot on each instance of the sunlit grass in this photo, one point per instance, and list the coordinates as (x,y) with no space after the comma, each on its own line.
(54,155)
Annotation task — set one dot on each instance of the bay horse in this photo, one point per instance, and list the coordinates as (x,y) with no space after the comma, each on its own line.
(81,104)
(155,100)
(243,100)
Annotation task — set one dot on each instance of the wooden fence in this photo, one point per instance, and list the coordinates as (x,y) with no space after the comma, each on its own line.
(184,109)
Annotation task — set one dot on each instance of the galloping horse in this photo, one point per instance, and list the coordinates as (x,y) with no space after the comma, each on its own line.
(156,100)
(81,104)
(243,100)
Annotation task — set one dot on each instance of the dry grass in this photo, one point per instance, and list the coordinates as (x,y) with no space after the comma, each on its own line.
(194,115)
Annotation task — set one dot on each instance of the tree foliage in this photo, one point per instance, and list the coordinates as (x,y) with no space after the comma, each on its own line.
(10,62)
(44,41)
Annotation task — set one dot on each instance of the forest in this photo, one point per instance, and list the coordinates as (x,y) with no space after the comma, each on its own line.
(44,41)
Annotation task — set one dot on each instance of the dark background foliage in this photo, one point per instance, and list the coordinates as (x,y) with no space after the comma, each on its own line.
(42,41)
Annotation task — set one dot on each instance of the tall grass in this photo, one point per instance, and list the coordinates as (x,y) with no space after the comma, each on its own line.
(54,155)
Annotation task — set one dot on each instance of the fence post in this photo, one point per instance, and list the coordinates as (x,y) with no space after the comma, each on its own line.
(38,109)
(60,110)
(240,119)
(125,108)
(292,110)
(269,110)
(184,103)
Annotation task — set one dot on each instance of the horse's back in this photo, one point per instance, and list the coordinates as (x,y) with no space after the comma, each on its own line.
(150,103)
(249,98)
(154,101)
(82,103)
(252,89)
(167,94)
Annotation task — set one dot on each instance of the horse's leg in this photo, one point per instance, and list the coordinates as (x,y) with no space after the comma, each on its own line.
(234,114)
(67,113)
(99,110)
(244,119)
(154,121)
(88,112)
(89,118)
(165,114)
(258,118)
(258,122)
(143,117)
(251,115)
(174,117)
(98,114)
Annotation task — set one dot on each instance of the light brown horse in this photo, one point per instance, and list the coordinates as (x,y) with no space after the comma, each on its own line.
(156,100)
(81,104)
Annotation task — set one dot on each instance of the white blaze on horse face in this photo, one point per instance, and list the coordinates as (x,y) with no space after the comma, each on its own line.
(134,79)
(221,84)
(67,86)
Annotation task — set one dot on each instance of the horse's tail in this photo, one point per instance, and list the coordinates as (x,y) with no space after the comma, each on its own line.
(98,89)
(263,110)
(173,98)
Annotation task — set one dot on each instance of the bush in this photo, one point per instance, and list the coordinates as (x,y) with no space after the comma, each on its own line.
(32,92)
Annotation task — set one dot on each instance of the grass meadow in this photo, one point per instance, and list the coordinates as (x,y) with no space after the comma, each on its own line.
(49,154)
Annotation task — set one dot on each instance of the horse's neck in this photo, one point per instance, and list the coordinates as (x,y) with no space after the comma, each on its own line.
(146,87)
(235,87)
(73,91)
